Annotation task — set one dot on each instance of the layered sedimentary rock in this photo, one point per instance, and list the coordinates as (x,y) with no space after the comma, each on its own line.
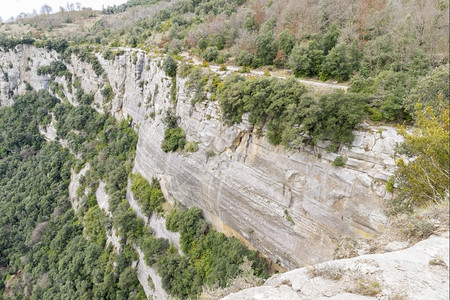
(292,206)
(393,275)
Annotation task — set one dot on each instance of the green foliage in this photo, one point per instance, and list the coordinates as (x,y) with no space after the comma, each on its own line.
(212,258)
(173,90)
(171,120)
(339,114)
(191,147)
(424,179)
(390,185)
(428,90)
(9,43)
(95,222)
(291,116)
(244,59)
(174,139)
(86,54)
(170,66)
(336,64)
(124,218)
(330,39)
(56,68)
(178,276)
(41,237)
(154,249)
(285,42)
(107,92)
(210,54)
(59,45)
(385,93)
(306,59)
(267,48)
(149,196)
(339,161)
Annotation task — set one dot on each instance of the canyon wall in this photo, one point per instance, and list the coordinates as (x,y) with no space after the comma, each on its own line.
(292,206)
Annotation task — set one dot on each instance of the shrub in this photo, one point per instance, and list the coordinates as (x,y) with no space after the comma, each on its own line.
(191,147)
(174,138)
(210,153)
(390,185)
(210,54)
(244,59)
(107,92)
(149,196)
(424,179)
(339,161)
(170,66)
(56,68)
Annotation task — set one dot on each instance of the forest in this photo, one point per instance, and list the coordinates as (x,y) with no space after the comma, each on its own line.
(50,250)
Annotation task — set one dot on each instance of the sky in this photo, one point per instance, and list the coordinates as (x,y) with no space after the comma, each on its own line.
(12,8)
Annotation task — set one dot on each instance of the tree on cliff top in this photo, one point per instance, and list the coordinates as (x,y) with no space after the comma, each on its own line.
(425,178)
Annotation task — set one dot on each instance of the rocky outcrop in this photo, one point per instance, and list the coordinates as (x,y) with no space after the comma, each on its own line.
(74,186)
(156,223)
(147,275)
(419,272)
(292,206)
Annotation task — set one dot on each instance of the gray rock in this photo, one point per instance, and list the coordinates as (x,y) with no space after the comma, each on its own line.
(289,205)
(395,246)
(406,273)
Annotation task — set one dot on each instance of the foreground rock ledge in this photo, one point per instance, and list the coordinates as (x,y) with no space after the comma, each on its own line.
(419,272)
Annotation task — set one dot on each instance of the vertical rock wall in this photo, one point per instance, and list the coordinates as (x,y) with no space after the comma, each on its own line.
(290,205)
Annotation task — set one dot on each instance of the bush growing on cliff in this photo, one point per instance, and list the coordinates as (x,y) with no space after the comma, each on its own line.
(9,43)
(424,179)
(149,196)
(215,258)
(170,66)
(288,112)
(107,92)
(174,138)
(56,68)
(154,249)
(339,161)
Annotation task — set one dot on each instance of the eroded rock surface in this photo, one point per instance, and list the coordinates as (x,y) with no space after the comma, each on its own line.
(290,205)
(419,272)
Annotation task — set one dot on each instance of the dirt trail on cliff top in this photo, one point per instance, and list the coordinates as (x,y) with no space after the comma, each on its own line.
(317,85)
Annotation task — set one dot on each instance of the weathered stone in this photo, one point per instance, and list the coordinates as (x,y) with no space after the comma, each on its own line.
(294,204)
(409,273)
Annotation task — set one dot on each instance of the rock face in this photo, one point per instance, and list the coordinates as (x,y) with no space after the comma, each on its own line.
(290,205)
(392,275)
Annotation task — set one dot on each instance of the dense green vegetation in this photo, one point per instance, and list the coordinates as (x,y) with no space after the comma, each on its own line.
(174,136)
(291,114)
(424,179)
(9,43)
(383,49)
(149,196)
(214,257)
(56,68)
(65,252)
(43,251)
(209,257)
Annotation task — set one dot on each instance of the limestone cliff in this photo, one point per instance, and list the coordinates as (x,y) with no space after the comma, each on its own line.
(292,206)
(391,275)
